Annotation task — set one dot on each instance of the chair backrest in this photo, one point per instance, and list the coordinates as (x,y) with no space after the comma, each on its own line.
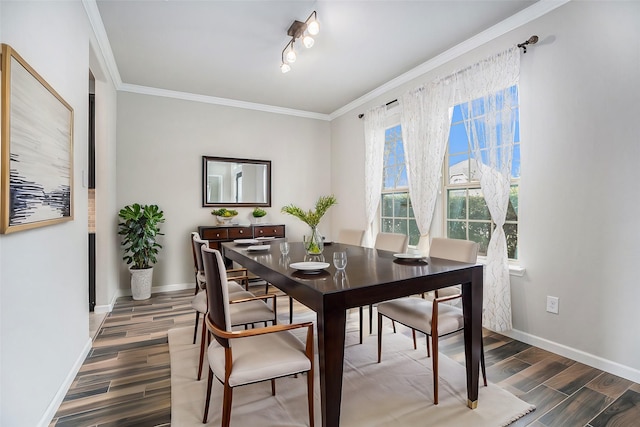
(217,291)
(197,243)
(454,250)
(351,236)
(194,251)
(391,242)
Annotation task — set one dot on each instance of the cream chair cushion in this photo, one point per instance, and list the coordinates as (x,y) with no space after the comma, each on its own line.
(259,358)
(416,314)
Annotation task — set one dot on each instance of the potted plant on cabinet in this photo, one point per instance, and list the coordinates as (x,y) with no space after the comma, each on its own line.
(258,214)
(224,215)
(139,227)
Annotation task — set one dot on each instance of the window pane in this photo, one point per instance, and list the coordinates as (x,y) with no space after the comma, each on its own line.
(414,233)
(457,207)
(458,139)
(459,168)
(512,209)
(401,205)
(515,163)
(457,230)
(478,206)
(387,205)
(511,231)
(387,225)
(400,226)
(480,232)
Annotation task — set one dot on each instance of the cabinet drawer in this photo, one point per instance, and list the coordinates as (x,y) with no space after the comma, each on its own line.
(240,233)
(269,231)
(215,234)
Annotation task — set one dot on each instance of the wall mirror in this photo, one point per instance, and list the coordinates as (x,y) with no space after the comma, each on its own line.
(235,182)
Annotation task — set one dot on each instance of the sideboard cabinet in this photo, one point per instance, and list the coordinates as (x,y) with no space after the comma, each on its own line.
(218,234)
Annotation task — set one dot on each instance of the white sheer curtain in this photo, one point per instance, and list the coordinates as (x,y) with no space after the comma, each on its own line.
(425,119)
(374,128)
(490,114)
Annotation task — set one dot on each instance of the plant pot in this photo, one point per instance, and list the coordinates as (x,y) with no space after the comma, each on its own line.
(141,283)
(258,219)
(225,220)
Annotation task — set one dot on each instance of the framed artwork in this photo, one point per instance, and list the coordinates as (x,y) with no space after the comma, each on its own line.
(36,166)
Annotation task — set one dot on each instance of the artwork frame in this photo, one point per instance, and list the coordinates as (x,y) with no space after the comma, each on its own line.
(36,161)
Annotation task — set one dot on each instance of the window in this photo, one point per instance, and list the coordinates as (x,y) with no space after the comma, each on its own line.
(396,211)
(467,215)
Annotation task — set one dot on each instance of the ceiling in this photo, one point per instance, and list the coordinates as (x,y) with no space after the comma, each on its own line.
(230,51)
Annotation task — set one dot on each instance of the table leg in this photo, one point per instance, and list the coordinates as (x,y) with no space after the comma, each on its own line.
(331,334)
(472,309)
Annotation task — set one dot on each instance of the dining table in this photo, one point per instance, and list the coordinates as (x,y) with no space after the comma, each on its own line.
(371,276)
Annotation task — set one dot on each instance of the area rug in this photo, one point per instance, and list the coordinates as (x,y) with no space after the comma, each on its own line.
(398,391)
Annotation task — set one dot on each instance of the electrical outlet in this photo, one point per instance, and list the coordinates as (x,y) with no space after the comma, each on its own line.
(552,304)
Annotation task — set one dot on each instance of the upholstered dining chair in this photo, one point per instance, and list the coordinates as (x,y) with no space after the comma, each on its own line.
(392,242)
(249,356)
(199,302)
(433,318)
(350,236)
(247,309)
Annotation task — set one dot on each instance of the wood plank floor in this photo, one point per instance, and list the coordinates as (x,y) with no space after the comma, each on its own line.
(125,380)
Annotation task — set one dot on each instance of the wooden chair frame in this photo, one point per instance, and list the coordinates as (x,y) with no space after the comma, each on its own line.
(228,390)
(433,336)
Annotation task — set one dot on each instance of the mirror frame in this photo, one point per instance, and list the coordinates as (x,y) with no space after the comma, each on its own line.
(206,159)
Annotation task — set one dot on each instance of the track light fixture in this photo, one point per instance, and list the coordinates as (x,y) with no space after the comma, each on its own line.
(304,30)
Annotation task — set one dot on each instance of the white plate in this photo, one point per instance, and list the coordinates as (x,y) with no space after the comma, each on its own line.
(309,267)
(265,238)
(409,256)
(246,241)
(259,248)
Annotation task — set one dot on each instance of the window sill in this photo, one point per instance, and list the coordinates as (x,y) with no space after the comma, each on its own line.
(514,269)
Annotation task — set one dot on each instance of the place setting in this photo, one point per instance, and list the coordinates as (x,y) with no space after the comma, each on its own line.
(413,256)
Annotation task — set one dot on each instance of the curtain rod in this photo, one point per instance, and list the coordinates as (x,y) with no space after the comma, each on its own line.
(532,40)
(361,115)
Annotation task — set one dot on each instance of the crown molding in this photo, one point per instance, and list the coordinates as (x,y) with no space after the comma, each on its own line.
(146,90)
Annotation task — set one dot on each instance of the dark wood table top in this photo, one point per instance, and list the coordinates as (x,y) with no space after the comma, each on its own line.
(367,270)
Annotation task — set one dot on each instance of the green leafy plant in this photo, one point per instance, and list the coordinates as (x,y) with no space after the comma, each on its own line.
(258,213)
(312,218)
(139,227)
(224,212)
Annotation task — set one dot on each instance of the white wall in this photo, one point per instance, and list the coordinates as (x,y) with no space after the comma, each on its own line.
(160,146)
(579,238)
(43,272)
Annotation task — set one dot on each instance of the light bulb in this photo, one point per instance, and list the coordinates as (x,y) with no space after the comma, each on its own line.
(307,41)
(313,27)
(285,68)
(291,56)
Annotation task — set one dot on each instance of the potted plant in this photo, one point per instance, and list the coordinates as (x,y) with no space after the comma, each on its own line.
(313,244)
(258,214)
(224,215)
(139,227)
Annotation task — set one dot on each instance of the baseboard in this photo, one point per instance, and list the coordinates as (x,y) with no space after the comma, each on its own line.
(157,289)
(64,387)
(107,308)
(578,355)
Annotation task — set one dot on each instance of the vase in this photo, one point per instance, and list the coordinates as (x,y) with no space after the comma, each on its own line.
(141,283)
(314,243)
